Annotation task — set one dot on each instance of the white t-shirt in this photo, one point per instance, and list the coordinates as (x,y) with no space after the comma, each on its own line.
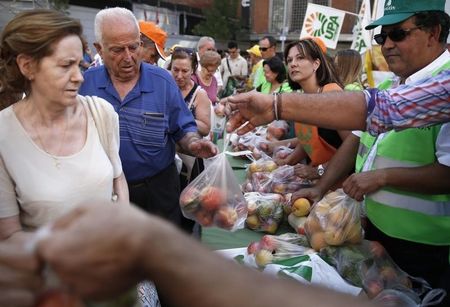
(33,187)
(239,67)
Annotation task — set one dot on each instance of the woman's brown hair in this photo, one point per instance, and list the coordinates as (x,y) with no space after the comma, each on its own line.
(32,33)
(326,73)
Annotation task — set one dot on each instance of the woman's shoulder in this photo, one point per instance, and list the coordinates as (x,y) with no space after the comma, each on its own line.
(330,87)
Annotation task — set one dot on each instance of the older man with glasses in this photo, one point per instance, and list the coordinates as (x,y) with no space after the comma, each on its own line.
(153,116)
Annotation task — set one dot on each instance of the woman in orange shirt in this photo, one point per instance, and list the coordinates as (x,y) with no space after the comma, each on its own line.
(310,71)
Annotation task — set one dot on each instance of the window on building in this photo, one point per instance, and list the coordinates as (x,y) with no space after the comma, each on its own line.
(296,13)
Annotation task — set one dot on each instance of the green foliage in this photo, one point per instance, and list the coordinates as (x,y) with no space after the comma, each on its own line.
(60,5)
(220,20)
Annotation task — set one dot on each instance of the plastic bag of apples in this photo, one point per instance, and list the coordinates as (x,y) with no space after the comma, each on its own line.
(214,198)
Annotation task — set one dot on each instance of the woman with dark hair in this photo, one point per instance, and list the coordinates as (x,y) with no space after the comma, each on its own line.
(183,64)
(310,71)
(275,74)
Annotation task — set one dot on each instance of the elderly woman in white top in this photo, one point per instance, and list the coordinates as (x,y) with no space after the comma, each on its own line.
(51,154)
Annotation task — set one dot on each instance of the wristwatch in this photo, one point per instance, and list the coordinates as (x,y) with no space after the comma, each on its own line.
(320,170)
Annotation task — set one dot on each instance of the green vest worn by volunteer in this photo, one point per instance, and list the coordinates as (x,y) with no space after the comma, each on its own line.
(415,217)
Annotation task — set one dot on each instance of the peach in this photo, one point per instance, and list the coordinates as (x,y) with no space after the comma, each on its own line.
(301,207)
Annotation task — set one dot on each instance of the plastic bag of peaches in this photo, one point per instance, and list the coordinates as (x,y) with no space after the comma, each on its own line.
(214,198)
(333,221)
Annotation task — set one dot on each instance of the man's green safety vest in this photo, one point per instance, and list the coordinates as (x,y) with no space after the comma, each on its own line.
(416,217)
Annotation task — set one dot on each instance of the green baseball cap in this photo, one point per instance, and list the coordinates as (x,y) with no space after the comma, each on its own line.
(396,11)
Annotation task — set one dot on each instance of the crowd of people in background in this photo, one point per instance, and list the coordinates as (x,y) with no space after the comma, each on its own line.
(64,112)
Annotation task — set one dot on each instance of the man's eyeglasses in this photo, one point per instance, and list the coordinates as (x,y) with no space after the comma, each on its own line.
(132,48)
(396,35)
(264,48)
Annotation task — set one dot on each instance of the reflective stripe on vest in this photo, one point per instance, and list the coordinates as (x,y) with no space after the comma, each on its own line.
(429,207)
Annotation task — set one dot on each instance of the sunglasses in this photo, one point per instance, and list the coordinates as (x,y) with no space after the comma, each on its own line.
(264,48)
(396,35)
(189,51)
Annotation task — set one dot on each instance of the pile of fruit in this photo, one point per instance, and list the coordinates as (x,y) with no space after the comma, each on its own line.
(334,220)
(265,211)
(211,206)
(271,248)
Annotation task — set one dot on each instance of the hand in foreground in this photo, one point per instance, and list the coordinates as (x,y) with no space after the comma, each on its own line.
(360,184)
(203,148)
(314,194)
(254,107)
(95,250)
(306,171)
(19,276)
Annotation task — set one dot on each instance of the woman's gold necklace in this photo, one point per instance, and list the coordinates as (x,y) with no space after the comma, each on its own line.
(54,157)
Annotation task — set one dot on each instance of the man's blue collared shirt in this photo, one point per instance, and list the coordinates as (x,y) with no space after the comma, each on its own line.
(153,117)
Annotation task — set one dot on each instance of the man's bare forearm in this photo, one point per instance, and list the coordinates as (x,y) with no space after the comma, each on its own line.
(326,110)
(187,274)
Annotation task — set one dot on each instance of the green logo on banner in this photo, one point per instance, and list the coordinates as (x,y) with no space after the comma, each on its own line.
(328,28)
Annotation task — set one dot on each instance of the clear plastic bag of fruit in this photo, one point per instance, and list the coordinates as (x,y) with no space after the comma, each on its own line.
(285,181)
(263,164)
(265,211)
(272,248)
(250,141)
(368,265)
(214,198)
(334,220)
(281,152)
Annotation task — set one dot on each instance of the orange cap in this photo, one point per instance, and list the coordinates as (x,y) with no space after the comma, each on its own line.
(155,34)
(319,42)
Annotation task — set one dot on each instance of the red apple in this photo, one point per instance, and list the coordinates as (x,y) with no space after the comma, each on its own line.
(267,242)
(204,218)
(252,248)
(212,198)
(226,217)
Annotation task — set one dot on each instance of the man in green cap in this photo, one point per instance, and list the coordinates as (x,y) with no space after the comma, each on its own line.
(404,177)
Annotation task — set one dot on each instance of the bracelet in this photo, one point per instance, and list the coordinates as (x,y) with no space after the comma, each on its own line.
(275,106)
(279,106)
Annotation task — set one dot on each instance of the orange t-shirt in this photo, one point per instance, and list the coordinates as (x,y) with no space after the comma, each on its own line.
(318,150)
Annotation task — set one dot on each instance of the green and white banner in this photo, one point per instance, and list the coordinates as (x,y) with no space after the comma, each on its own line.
(361,37)
(324,22)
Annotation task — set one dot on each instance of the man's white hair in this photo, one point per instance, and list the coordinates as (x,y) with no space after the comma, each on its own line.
(204,40)
(112,13)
